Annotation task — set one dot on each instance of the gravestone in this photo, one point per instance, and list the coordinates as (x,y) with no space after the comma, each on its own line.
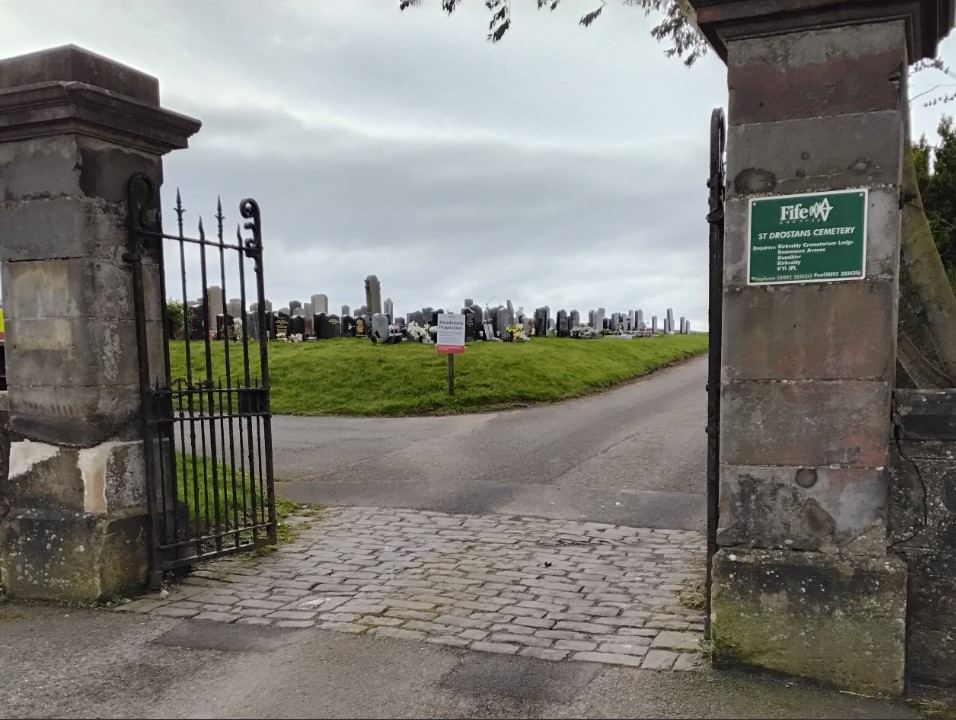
(224,328)
(669,328)
(360,327)
(380,326)
(489,331)
(252,325)
(348,326)
(282,324)
(389,309)
(335,326)
(540,322)
(320,323)
(345,311)
(640,318)
(215,305)
(234,307)
(307,310)
(683,326)
(471,330)
(502,321)
(654,324)
(293,306)
(479,316)
(373,295)
(574,319)
(563,330)
(297,325)
(320,304)
(469,302)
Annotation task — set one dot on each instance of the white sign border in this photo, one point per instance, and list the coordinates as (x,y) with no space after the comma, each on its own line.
(866,219)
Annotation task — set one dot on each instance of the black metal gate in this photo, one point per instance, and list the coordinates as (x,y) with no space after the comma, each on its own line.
(716,183)
(204,383)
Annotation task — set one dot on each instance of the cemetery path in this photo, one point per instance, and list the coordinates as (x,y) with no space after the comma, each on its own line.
(633,456)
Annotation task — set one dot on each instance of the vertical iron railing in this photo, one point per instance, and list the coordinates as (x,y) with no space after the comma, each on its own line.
(715,217)
(208,431)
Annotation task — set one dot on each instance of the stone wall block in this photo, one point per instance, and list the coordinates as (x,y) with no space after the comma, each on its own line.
(39,168)
(824,153)
(804,423)
(882,237)
(61,228)
(74,415)
(77,65)
(814,331)
(76,352)
(834,619)
(811,508)
(53,554)
(36,476)
(828,72)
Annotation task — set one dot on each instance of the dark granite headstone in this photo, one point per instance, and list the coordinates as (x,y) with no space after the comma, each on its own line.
(471,330)
(224,327)
(297,325)
(563,330)
(281,320)
(348,326)
(540,322)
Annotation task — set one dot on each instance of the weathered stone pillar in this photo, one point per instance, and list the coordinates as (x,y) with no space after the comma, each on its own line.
(73,127)
(803,582)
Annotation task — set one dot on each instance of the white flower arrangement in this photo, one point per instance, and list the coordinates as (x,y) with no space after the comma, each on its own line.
(417,333)
(584,332)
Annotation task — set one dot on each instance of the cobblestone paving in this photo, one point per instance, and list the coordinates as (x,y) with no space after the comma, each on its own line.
(550,589)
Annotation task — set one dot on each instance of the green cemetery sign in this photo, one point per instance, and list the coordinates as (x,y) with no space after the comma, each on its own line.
(817,237)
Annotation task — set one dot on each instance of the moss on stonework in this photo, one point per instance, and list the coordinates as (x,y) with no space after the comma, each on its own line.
(860,653)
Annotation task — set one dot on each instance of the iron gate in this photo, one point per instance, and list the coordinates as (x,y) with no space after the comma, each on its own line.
(204,383)
(716,183)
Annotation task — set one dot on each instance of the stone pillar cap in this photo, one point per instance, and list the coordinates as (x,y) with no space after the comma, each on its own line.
(927,21)
(69,90)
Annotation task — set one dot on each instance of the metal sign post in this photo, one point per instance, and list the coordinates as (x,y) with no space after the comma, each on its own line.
(451,340)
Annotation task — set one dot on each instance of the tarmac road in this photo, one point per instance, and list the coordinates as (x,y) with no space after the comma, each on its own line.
(635,456)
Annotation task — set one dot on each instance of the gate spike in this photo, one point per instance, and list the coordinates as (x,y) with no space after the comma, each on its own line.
(219,216)
(179,211)
(202,233)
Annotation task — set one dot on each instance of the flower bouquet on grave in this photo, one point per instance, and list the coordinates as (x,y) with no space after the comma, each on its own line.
(395,334)
(417,333)
(584,332)
(512,331)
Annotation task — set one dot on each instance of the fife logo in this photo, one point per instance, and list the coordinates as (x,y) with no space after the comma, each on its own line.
(818,212)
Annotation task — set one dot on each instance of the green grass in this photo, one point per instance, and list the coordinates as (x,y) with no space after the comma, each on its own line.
(349,376)
(194,479)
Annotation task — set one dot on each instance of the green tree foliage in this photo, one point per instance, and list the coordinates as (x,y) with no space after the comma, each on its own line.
(174,319)
(936,176)
(673,27)
(174,315)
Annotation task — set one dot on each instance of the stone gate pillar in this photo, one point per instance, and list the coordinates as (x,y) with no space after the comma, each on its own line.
(73,127)
(803,580)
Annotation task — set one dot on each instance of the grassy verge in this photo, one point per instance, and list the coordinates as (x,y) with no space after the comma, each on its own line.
(354,377)
(195,488)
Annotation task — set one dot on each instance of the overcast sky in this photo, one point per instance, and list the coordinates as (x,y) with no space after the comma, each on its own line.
(563,166)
